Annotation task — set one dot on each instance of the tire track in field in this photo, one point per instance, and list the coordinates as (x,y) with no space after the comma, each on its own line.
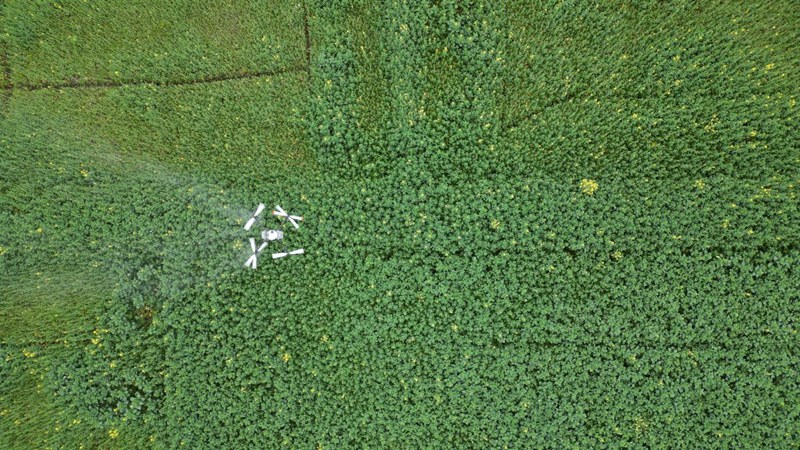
(114,84)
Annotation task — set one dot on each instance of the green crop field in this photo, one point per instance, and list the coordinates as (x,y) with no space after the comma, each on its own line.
(527,224)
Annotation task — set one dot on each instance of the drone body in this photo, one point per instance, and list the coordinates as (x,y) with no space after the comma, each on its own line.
(270,235)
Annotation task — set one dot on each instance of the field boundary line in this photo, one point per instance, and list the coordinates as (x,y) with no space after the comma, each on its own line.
(115,84)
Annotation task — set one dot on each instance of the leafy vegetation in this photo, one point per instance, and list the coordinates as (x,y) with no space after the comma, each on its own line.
(528,224)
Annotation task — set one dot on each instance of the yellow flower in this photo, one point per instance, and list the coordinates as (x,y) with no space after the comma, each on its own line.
(286,357)
(589,186)
(640,425)
(113,433)
(495,224)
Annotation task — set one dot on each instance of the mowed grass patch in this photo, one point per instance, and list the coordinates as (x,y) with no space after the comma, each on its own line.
(129,42)
(32,417)
(52,304)
(704,88)
(749,140)
(229,131)
(630,50)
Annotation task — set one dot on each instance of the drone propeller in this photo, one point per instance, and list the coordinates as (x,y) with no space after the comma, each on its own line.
(293,219)
(293,252)
(252,220)
(253,260)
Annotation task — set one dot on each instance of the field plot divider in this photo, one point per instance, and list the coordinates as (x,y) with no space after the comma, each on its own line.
(114,84)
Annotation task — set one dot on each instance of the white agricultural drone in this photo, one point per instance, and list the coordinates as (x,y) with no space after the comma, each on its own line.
(270,235)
